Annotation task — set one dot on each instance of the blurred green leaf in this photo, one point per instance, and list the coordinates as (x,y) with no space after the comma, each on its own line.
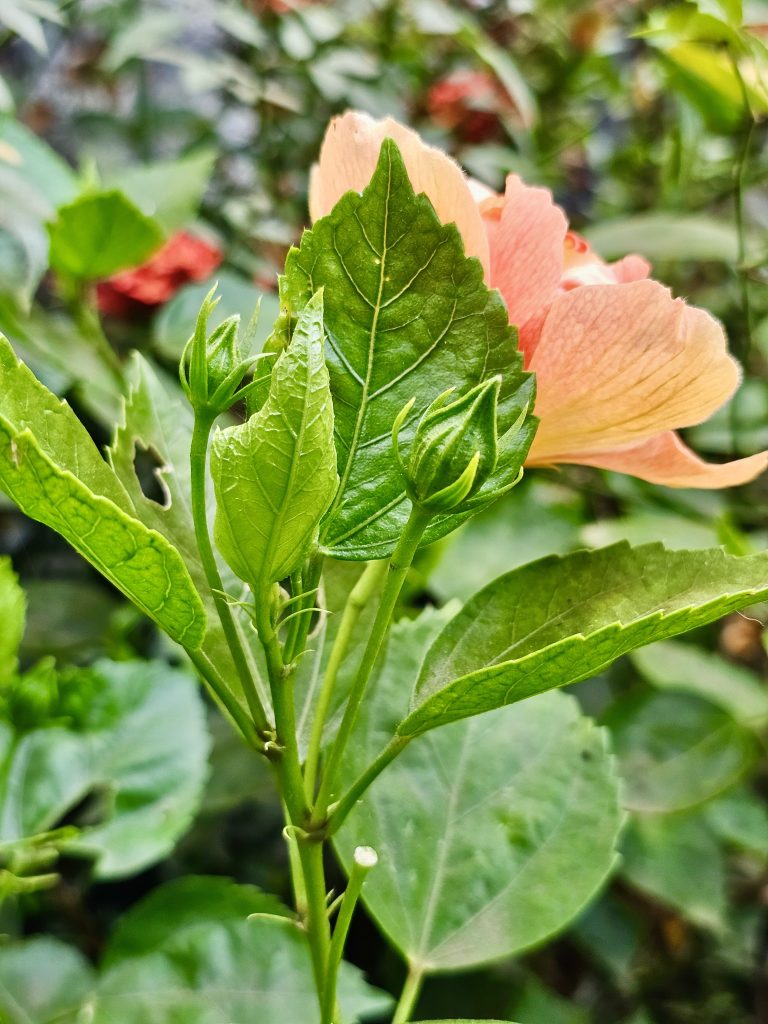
(678,666)
(220,969)
(139,756)
(492,833)
(740,819)
(676,751)
(12,617)
(42,981)
(560,620)
(25,18)
(99,234)
(667,236)
(677,859)
(536,1004)
(170,191)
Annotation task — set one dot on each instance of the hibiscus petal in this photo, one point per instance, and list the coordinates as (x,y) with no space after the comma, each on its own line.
(348,159)
(526,232)
(664,459)
(616,364)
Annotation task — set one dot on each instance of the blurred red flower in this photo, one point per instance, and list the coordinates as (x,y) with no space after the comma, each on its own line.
(468,103)
(183,258)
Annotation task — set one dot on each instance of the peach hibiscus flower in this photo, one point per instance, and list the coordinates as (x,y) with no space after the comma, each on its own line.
(620,364)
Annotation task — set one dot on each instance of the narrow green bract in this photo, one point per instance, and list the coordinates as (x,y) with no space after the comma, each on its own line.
(275,475)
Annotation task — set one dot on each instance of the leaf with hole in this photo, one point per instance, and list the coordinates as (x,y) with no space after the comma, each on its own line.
(53,471)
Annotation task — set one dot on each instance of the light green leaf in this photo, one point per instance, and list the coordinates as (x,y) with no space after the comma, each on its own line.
(491,833)
(42,981)
(740,819)
(677,859)
(170,191)
(25,155)
(676,751)
(12,616)
(140,754)
(52,470)
(407,314)
(560,620)
(221,969)
(100,233)
(677,666)
(275,475)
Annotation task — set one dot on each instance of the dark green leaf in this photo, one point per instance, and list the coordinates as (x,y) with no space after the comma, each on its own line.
(407,314)
(101,233)
(275,475)
(561,620)
(491,833)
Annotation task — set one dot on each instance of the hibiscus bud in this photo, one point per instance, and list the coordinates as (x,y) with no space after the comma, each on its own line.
(454,449)
(212,367)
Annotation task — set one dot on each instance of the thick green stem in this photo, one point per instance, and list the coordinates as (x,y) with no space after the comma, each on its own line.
(317,923)
(347,802)
(398,567)
(199,465)
(359,596)
(365,858)
(288,761)
(408,997)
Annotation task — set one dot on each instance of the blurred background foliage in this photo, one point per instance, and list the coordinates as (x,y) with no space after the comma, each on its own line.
(151,147)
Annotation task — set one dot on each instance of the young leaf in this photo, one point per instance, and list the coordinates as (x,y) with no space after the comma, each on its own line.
(559,620)
(100,233)
(143,741)
(491,833)
(53,471)
(407,314)
(12,616)
(275,475)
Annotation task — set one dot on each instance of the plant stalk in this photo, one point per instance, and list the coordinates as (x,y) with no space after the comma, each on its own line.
(359,596)
(198,465)
(398,567)
(409,996)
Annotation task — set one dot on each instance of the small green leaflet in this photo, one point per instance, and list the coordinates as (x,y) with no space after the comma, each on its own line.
(12,616)
(492,833)
(559,620)
(43,981)
(406,314)
(54,473)
(275,475)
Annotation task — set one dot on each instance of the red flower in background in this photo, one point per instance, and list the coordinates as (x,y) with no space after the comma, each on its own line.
(468,103)
(183,258)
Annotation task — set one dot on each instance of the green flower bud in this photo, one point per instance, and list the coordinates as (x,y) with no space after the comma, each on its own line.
(454,449)
(212,366)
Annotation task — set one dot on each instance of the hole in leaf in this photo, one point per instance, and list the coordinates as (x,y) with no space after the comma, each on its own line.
(150,470)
